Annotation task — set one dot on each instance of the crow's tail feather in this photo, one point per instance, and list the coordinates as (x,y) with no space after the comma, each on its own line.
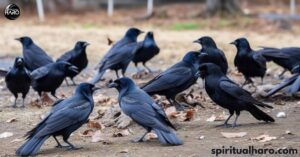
(98,77)
(168,138)
(259,114)
(32,146)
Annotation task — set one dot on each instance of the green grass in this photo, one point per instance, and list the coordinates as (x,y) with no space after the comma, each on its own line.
(185,26)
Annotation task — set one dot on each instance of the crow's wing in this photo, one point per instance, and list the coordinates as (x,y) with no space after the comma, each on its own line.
(36,57)
(260,60)
(65,117)
(143,113)
(67,56)
(237,92)
(282,85)
(171,78)
(121,54)
(40,72)
(273,53)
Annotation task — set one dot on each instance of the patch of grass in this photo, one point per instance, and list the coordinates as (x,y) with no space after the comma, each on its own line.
(185,26)
(89,26)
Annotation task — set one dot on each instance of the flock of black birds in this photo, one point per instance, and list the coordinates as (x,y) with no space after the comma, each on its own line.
(38,70)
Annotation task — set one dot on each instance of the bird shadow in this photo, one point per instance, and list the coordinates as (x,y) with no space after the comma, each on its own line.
(244,125)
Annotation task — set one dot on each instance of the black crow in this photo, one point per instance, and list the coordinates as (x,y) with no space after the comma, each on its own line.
(18,80)
(147,50)
(176,79)
(287,57)
(65,117)
(215,55)
(229,95)
(293,82)
(139,106)
(120,54)
(77,56)
(49,77)
(33,55)
(249,62)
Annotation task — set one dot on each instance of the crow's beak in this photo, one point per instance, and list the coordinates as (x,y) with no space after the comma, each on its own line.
(96,88)
(296,69)
(196,41)
(74,69)
(19,39)
(19,61)
(142,32)
(233,43)
(86,44)
(112,85)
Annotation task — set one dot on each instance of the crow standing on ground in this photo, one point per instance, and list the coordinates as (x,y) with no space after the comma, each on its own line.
(139,106)
(176,79)
(229,95)
(120,54)
(77,56)
(18,80)
(33,55)
(287,58)
(147,50)
(65,117)
(249,62)
(214,55)
(49,77)
(293,82)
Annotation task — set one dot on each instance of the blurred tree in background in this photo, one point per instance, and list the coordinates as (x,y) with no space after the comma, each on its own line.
(222,7)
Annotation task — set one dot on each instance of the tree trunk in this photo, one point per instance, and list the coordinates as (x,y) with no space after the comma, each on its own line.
(222,7)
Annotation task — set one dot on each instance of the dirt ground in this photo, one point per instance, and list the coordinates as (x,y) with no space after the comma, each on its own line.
(199,136)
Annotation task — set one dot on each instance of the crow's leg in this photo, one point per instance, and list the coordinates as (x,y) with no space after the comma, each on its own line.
(74,83)
(67,82)
(15,102)
(149,70)
(53,94)
(141,139)
(23,99)
(71,146)
(247,81)
(281,74)
(137,67)
(178,106)
(123,72)
(117,74)
(226,121)
(237,114)
(58,144)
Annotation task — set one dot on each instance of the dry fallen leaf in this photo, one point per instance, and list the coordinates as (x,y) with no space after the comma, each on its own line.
(11,120)
(189,115)
(92,124)
(86,133)
(6,134)
(150,136)
(104,100)
(265,138)
(171,112)
(233,134)
(121,133)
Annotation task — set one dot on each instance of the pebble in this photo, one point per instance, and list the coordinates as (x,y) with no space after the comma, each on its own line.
(281,115)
